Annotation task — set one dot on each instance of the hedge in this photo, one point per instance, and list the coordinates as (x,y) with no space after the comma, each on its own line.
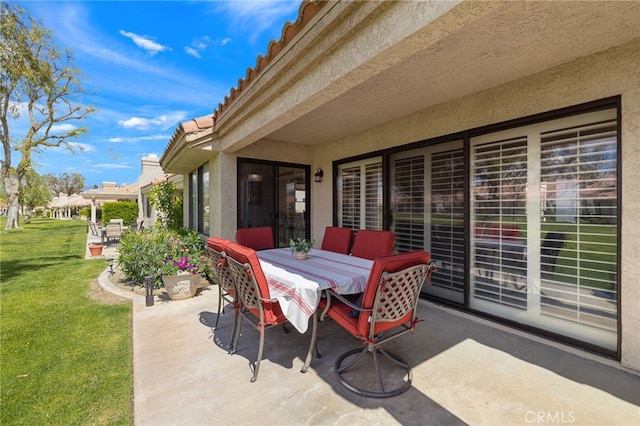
(125,210)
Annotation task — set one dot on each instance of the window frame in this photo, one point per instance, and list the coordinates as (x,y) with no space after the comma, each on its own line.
(466,135)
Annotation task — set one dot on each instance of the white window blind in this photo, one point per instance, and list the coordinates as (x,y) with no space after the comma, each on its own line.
(349,194)
(360,194)
(447,214)
(499,171)
(578,256)
(427,206)
(373,196)
(408,203)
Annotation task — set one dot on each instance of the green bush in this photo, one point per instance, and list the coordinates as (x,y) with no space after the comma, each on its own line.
(125,210)
(146,252)
(163,197)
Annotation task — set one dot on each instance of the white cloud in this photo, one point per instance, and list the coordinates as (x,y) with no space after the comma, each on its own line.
(258,16)
(156,137)
(62,128)
(193,52)
(111,166)
(83,147)
(145,42)
(73,148)
(162,121)
(199,45)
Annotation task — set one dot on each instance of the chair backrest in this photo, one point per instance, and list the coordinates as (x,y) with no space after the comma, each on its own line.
(250,283)
(370,244)
(119,221)
(215,248)
(113,230)
(260,238)
(93,228)
(337,239)
(392,291)
(551,247)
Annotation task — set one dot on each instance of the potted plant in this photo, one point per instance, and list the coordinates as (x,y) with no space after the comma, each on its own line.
(96,249)
(300,247)
(162,253)
(183,267)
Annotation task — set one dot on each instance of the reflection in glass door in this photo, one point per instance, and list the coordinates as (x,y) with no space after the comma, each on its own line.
(292,204)
(274,195)
(545,232)
(427,212)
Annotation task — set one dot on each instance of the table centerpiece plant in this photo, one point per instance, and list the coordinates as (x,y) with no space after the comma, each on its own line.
(300,247)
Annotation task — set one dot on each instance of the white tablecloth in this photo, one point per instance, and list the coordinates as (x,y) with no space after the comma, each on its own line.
(297,284)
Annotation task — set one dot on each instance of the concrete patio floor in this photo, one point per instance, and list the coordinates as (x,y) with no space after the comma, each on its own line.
(466,371)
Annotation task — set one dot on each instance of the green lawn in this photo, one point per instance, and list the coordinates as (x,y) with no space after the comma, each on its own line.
(66,359)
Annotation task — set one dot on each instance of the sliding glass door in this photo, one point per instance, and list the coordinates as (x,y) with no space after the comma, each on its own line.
(275,195)
(544,220)
(427,212)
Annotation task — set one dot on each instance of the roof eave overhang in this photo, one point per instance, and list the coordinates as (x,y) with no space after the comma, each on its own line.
(189,151)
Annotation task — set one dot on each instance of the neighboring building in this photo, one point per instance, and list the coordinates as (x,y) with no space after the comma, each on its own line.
(502,137)
(110,193)
(64,206)
(151,175)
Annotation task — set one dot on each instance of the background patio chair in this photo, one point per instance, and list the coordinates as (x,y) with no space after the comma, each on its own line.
(113,231)
(260,238)
(222,277)
(93,228)
(388,306)
(370,244)
(256,304)
(551,247)
(337,239)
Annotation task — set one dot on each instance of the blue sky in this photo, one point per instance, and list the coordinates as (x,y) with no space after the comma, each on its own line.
(149,66)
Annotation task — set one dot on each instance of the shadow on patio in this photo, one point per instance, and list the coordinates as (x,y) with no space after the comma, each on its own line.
(466,371)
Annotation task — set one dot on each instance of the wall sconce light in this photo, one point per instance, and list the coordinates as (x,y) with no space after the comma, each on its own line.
(317,177)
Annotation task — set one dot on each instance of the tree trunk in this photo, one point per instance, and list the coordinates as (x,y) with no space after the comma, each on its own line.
(12,186)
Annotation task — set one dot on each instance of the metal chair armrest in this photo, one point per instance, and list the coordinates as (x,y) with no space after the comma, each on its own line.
(330,294)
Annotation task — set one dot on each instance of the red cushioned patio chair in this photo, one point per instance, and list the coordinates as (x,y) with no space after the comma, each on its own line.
(337,239)
(370,244)
(388,310)
(260,238)
(256,304)
(222,277)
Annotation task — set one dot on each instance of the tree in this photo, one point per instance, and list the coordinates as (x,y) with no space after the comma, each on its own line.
(38,81)
(65,183)
(35,190)
(163,198)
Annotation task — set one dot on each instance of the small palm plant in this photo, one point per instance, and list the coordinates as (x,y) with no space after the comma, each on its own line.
(300,245)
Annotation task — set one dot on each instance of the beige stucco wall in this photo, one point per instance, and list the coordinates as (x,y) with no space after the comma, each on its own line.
(222,175)
(613,72)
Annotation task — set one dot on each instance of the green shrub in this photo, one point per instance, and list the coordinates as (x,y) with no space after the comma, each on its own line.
(125,210)
(146,252)
(163,197)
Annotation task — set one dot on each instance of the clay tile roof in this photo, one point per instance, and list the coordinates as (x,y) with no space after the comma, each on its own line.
(308,9)
(197,124)
(192,126)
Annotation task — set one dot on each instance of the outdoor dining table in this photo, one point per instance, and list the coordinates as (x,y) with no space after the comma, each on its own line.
(298,284)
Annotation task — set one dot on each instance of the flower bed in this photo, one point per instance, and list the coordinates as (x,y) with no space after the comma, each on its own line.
(156,252)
